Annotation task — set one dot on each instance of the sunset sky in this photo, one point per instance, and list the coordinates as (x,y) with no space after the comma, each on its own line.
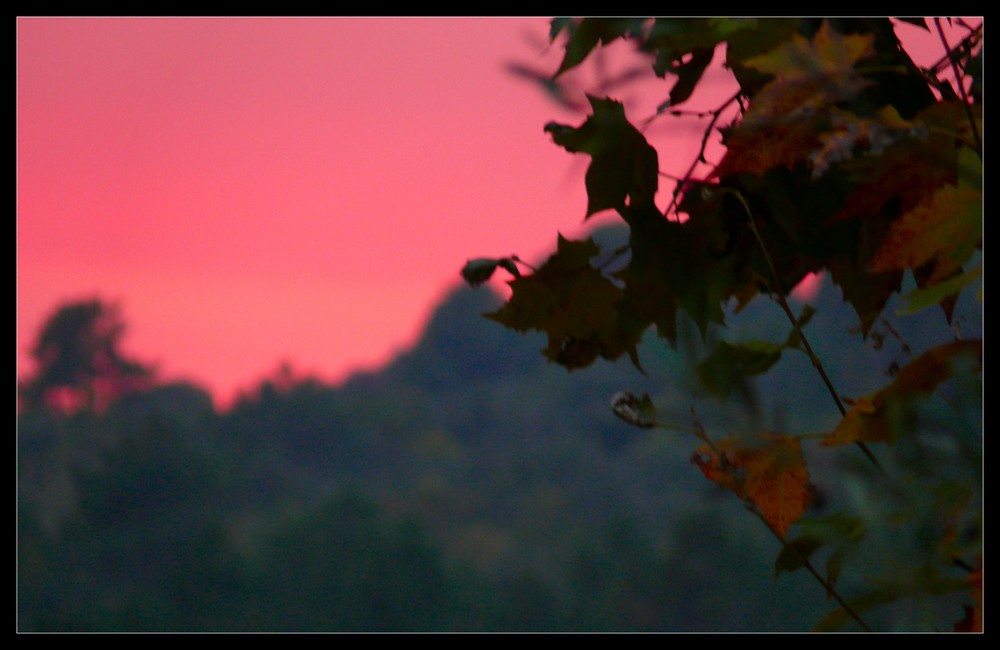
(259,190)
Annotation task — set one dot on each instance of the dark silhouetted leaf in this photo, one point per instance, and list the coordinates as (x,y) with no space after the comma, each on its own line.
(689,74)
(587,34)
(623,165)
(575,305)
(477,271)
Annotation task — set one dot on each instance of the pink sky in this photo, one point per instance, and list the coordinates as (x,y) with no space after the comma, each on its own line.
(253,191)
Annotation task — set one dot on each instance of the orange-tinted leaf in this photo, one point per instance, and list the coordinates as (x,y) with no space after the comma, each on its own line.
(946,229)
(772,476)
(870,420)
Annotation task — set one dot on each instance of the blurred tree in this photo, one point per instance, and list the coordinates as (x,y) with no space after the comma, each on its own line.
(79,361)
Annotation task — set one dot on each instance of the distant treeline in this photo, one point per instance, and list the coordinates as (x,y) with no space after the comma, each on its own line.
(468,486)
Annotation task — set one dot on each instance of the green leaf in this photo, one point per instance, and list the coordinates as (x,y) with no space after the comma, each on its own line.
(730,364)
(795,553)
(828,54)
(923,580)
(840,530)
(623,165)
(920,299)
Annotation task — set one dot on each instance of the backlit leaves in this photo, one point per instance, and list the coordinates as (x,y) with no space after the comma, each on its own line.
(770,475)
(787,115)
(878,417)
(848,159)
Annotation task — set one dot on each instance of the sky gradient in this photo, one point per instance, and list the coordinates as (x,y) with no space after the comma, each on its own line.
(254,191)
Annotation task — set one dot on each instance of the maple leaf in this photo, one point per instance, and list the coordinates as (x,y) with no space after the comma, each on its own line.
(788,113)
(677,265)
(828,54)
(770,475)
(875,417)
(911,169)
(575,305)
(945,229)
(623,164)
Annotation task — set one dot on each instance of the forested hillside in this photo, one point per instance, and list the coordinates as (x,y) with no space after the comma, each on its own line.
(469,485)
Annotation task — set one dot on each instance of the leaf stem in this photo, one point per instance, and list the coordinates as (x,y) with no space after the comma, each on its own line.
(778,292)
(517,259)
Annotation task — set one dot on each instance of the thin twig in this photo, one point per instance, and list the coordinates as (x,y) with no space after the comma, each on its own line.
(961,90)
(700,158)
(816,574)
(752,507)
(778,291)
(517,259)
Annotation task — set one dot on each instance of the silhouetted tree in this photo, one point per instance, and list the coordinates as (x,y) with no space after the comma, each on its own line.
(79,361)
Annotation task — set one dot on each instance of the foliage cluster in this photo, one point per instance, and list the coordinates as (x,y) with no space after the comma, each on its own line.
(841,156)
